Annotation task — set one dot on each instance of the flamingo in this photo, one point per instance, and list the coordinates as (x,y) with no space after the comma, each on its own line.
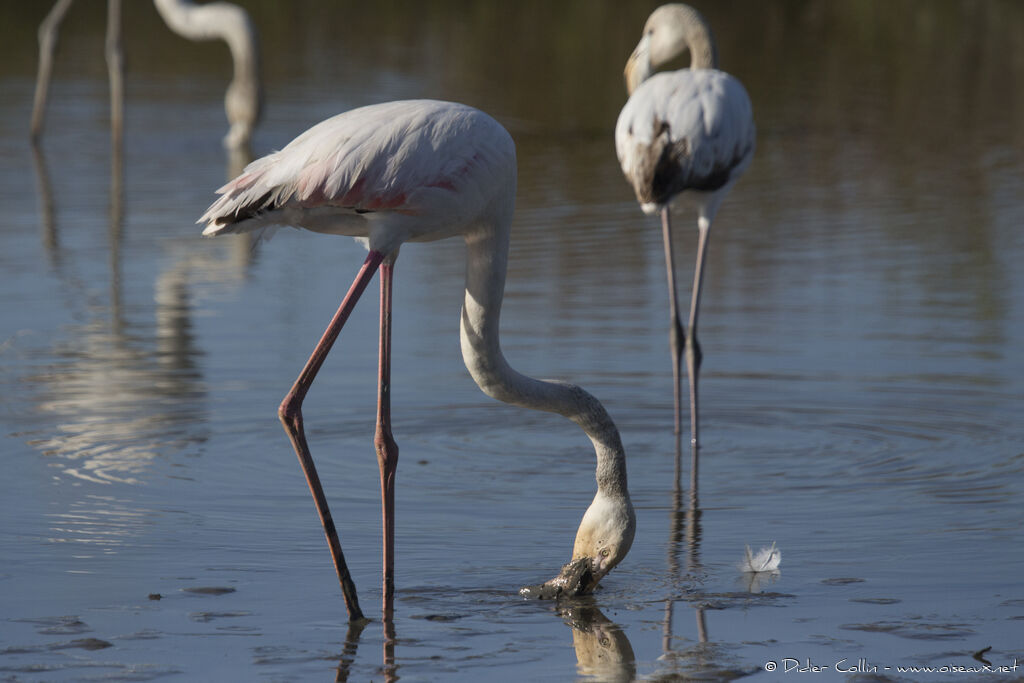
(412,171)
(223,20)
(689,130)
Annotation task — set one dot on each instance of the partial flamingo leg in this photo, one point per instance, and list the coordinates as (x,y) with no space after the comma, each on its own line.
(290,413)
(693,352)
(47,46)
(387,449)
(115,70)
(676,331)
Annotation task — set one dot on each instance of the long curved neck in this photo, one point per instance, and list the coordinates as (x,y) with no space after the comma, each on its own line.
(697,32)
(217,20)
(487,262)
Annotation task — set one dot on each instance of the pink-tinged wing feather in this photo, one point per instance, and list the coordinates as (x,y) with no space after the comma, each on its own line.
(381,157)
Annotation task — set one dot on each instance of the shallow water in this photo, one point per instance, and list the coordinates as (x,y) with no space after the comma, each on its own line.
(862,387)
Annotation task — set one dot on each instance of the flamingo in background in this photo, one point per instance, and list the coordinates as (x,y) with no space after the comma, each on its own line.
(230,23)
(243,101)
(48,31)
(687,130)
(420,170)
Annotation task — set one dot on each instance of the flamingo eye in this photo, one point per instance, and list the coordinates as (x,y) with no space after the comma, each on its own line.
(604,552)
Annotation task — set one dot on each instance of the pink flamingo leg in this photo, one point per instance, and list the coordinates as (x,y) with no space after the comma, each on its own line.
(387,449)
(290,413)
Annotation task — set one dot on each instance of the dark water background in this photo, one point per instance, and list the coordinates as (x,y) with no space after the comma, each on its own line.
(862,389)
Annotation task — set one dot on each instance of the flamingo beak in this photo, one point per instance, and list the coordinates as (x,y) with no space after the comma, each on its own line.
(638,66)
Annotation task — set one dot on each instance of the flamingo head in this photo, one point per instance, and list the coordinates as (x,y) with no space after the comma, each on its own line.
(670,31)
(604,536)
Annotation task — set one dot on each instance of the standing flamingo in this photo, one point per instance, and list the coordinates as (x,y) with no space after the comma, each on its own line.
(243,100)
(418,171)
(690,129)
(230,23)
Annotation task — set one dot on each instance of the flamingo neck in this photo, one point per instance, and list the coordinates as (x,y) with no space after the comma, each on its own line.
(481,350)
(221,20)
(697,33)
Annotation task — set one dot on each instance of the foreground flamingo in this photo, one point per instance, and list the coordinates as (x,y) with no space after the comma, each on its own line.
(418,171)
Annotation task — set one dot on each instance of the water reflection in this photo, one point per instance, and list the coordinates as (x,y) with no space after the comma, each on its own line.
(121,396)
(685,536)
(603,652)
(756,582)
(348,653)
(96,525)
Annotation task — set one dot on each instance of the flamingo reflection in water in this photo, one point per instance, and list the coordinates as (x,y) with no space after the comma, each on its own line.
(412,171)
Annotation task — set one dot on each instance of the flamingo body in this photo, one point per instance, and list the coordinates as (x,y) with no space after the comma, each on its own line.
(684,130)
(388,173)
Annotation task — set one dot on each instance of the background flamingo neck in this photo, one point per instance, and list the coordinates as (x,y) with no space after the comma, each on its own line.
(703,52)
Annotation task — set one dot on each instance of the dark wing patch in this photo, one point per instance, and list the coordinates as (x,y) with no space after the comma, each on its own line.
(247,211)
(265,203)
(667,169)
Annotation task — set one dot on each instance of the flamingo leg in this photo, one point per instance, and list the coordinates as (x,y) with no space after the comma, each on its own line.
(676,331)
(384,443)
(47,45)
(115,70)
(290,413)
(693,352)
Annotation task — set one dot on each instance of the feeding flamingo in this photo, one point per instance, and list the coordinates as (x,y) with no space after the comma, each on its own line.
(216,20)
(421,170)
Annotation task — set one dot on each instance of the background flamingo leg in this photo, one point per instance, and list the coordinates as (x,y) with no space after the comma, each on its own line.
(693,352)
(676,331)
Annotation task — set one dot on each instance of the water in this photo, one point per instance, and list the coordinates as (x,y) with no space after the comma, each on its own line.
(862,388)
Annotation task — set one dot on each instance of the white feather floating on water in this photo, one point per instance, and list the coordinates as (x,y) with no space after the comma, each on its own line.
(765,560)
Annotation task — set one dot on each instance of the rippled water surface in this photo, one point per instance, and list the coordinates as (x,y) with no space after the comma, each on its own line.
(863,383)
